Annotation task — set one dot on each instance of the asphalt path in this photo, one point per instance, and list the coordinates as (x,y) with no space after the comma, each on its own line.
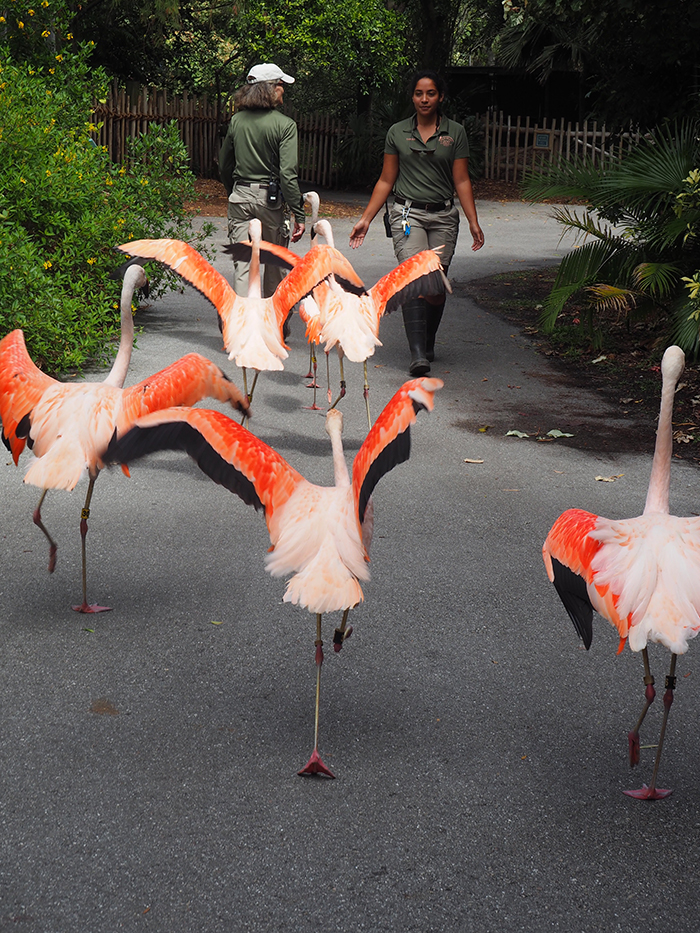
(149,755)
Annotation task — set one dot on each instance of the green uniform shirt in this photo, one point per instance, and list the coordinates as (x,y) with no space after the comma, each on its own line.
(260,145)
(425,169)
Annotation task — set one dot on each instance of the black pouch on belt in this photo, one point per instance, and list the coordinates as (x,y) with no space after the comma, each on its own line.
(273,193)
(387,221)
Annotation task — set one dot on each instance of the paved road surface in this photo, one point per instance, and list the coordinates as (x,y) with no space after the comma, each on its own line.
(148,775)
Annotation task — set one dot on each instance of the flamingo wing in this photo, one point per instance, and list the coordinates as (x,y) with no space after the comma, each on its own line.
(388,442)
(419,275)
(310,270)
(184,382)
(569,553)
(225,451)
(22,384)
(271,254)
(191,266)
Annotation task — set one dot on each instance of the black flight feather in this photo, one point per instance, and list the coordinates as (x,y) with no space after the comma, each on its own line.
(398,451)
(241,252)
(178,435)
(432,283)
(573,593)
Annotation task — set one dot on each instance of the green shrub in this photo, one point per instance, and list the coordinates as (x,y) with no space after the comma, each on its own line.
(64,206)
(639,249)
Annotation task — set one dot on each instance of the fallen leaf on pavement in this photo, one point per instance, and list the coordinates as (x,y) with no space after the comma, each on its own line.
(609,479)
(469,460)
(516,434)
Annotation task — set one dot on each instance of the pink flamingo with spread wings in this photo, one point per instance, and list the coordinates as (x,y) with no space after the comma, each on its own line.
(251,326)
(68,424)
(642,574)
(319,534)
(339,318)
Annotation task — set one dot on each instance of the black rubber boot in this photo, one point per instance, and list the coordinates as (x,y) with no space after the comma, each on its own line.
(432,324)
(414,320)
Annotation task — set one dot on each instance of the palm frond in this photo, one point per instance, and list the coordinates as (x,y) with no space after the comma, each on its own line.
(659,279)
(612,298)
(685,327)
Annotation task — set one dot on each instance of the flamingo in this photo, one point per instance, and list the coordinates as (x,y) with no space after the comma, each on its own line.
(642,574)
(319,534)
(251,326)
(336,317)
(67,424)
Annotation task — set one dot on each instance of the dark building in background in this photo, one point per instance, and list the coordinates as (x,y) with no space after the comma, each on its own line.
(516,92)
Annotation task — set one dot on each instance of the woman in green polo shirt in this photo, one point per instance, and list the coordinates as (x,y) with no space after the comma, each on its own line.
(425,163)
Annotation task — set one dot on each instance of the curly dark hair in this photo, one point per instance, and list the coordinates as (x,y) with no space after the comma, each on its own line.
(259,96)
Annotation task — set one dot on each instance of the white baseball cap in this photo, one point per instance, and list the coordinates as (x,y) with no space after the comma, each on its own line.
(268,72)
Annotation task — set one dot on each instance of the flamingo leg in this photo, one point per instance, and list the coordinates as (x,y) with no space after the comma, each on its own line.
(248,395)
(649,693)
(310,373)
(328,377)
(314,765)
(366,395)
(38,522)
(652,792)
(313,384)
(342,380)
(84,515)
(342,633)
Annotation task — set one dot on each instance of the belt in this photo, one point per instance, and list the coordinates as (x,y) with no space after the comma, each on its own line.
(250,184)
(431,208)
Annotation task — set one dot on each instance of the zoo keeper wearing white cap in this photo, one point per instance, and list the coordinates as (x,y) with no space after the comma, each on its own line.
(258,166)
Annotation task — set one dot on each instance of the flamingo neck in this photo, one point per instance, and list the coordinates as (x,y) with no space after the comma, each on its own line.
(660,479)
(334,427)
(254,288)
(117,374)
(324,229)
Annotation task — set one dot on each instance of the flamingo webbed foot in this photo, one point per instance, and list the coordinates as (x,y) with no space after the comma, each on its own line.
(315,766)
(91,607)
(648,793)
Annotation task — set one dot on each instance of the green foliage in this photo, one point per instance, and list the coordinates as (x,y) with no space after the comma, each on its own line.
(638,60)
(641,249)
(64,206)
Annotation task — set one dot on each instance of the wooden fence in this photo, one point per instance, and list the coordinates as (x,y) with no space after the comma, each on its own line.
(514,145)
(125,115)
(202,124)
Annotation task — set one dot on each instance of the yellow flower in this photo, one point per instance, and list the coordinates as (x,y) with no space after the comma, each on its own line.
(69,36)
(59,58)
(91,262)
(2,19)
(20,24)
(23,180)
(46,33)
(144,181)
(52,71)
(47,264)
(31,12)
(48,173)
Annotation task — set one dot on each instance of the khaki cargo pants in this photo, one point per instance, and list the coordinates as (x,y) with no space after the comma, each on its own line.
(244,204)
(428,230)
